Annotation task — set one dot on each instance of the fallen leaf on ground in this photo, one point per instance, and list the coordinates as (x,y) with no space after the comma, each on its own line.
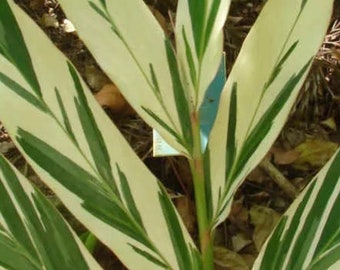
(110,97)
(239,215)
(49,20)
(284,157)
(291,137)
(330,123)
(226,259)
(264,219)
(239,241)
(249,259)
(95,78)
(257,176)
(314,153)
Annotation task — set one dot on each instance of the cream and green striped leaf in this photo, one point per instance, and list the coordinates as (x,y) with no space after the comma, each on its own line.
(33,234)
(13,48)
(199,43)
(260,92)
(80,154)
(82,157)
(131,47)
(308,234)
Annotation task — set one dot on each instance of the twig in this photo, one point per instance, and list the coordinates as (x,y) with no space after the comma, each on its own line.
(278,178)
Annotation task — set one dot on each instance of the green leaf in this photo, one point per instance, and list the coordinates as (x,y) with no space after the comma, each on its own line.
(13,46)
(199,43)
(99,11)
(308,235)
(182,248)
(149,257)
(77,151)
(231,142)
(163,124)
(266,79)
(22,92)
(141,72)
(92,133)
(66,120)
(180,98)
(128,198)
(35,235)
(265,123)
(11,257)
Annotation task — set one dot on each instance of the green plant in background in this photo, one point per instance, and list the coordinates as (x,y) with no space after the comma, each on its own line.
(71,144)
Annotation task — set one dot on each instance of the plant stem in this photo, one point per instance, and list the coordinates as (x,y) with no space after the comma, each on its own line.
(197,170)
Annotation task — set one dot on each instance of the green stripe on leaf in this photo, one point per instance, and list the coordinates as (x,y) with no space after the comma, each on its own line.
(331,233)
(35,224)
(128,198)
(308,235)
(303,3)
(92,133)
(9,213)
(175,230)
(99,11)
(97,199)
(313,220)
(66,120)
(180,98)
(13,258)
(155,87)
(59,166)
(216,5)
(163,125)
(275,251)
(14,48)
(190,59)
(22,92)
(208,184)
(150,257)
(327,261)
(231,136)
(272,253)
(277,69)
(66,253)
(197,11)
(265,123)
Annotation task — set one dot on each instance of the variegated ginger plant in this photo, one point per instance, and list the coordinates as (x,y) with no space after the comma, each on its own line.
(71,144)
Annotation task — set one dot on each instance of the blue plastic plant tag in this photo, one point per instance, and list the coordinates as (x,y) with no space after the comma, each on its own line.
(208,113)
(210,103)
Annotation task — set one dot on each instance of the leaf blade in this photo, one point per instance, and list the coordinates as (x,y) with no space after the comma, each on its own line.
(64,156)
(310,226)
(36,231)
(268,73)
(199,41)
(128,63)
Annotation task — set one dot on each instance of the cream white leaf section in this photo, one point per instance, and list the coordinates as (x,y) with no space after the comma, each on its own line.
(76,150)
(199,43)
(33,235)
(308,234)
(130,46)
(260,91)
